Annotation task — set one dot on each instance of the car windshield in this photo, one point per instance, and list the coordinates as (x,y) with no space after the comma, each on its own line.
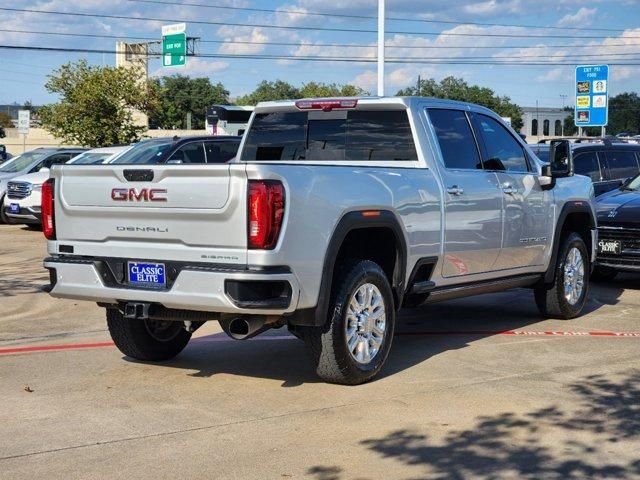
(145,152)
(22,162)
(90,158)
(633,184)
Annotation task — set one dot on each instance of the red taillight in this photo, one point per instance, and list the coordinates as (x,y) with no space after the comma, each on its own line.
(46,204)
(326,105)
(265,212)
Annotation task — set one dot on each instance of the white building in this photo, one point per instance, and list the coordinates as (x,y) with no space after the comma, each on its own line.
(541,122)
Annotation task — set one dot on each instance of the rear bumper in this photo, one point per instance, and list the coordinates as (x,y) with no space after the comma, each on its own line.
(198,289)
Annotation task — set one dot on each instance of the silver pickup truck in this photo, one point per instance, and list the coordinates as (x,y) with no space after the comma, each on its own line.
(334,215)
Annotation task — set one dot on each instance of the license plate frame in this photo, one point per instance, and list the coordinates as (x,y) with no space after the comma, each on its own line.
(142,274)
(14,208)
(609,247)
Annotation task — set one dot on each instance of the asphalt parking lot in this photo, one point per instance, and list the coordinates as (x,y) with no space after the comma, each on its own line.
(476,388)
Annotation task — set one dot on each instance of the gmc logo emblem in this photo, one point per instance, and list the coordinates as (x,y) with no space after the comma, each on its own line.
(142,195)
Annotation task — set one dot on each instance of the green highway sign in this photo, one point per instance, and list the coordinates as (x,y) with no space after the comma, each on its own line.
(174,45)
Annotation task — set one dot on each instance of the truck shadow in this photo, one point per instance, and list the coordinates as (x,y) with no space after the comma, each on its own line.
(603,418)
(421,334)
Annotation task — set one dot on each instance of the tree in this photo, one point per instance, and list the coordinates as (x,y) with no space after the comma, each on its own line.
(97,104)
(280,90)
(624,113)
(179,95)
(5,120)
(457,89)
(314,89)
(267,91)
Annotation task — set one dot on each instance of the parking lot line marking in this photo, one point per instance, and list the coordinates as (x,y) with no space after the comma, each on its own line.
(219,338)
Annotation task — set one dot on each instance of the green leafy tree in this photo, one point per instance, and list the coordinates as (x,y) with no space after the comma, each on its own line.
(5,120)
(279,90)
(267,91)
(457,89)
(624,113)
(96,104)
(179,95)
(314,89)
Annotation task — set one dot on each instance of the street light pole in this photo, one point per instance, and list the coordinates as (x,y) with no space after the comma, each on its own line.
(563,97)
(381,48)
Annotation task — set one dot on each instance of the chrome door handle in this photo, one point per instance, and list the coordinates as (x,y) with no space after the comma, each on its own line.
(455,190)
(509,190)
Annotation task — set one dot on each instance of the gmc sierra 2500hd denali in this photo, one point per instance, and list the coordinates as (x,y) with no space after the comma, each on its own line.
(335,213)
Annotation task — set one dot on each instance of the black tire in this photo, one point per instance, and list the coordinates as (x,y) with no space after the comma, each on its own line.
(327,344)
(134,338)
(603,274)
(3,216)
(551,299)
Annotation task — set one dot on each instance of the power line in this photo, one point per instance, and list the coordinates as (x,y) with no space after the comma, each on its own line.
(292,27)
(371,17)
(300,44)
(438,61)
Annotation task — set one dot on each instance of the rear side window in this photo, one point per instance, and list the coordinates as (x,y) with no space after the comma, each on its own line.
(503,152)
(587,164)
(220,152)
(353,135)
(190,153)
(621,165)
(456,140)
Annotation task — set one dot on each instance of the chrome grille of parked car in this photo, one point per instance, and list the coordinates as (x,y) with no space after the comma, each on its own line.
(18,190)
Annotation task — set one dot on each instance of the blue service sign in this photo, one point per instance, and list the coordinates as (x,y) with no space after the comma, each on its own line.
(592,96)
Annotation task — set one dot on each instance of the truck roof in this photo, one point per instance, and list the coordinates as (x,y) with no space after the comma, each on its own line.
(408,102)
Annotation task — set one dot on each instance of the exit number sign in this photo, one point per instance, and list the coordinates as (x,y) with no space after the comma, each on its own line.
(174,45)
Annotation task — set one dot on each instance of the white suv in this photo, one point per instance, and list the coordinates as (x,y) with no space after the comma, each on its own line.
(22,202)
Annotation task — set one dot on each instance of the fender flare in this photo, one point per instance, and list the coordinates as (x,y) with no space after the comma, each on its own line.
(567,209)
(349,222)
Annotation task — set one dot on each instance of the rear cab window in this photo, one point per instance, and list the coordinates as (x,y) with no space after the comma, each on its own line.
(339,135)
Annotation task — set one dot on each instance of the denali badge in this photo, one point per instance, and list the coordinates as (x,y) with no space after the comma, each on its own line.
(133,195)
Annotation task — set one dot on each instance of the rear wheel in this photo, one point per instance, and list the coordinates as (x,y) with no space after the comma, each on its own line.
(603,274)
(353,345)
(566,296)
(148,340)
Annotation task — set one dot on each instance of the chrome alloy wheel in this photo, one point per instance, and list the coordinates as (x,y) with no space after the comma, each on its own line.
(365,324)
(573,276)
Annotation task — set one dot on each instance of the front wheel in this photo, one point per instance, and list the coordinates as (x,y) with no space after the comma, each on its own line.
(4,218)
(353,345)
(566,296)
(147,340)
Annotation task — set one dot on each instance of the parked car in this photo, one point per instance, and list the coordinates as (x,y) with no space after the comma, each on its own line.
(4,155)
(30,162)
(608,164)
(22,203)
(98,156)
(179,150)
(335,213)
(619,231)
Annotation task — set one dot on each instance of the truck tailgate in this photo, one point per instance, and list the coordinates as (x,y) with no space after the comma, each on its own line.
(169,212)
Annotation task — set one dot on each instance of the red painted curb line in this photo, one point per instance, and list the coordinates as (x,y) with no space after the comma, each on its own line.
(216,338)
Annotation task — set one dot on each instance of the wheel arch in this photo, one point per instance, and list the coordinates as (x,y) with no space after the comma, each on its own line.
(576,217)
(347,234)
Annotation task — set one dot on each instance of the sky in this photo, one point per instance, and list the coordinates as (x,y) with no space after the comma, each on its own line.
(424,38)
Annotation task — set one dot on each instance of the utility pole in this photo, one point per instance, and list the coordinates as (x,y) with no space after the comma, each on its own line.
(418,88)
(563,97)
(381,48)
